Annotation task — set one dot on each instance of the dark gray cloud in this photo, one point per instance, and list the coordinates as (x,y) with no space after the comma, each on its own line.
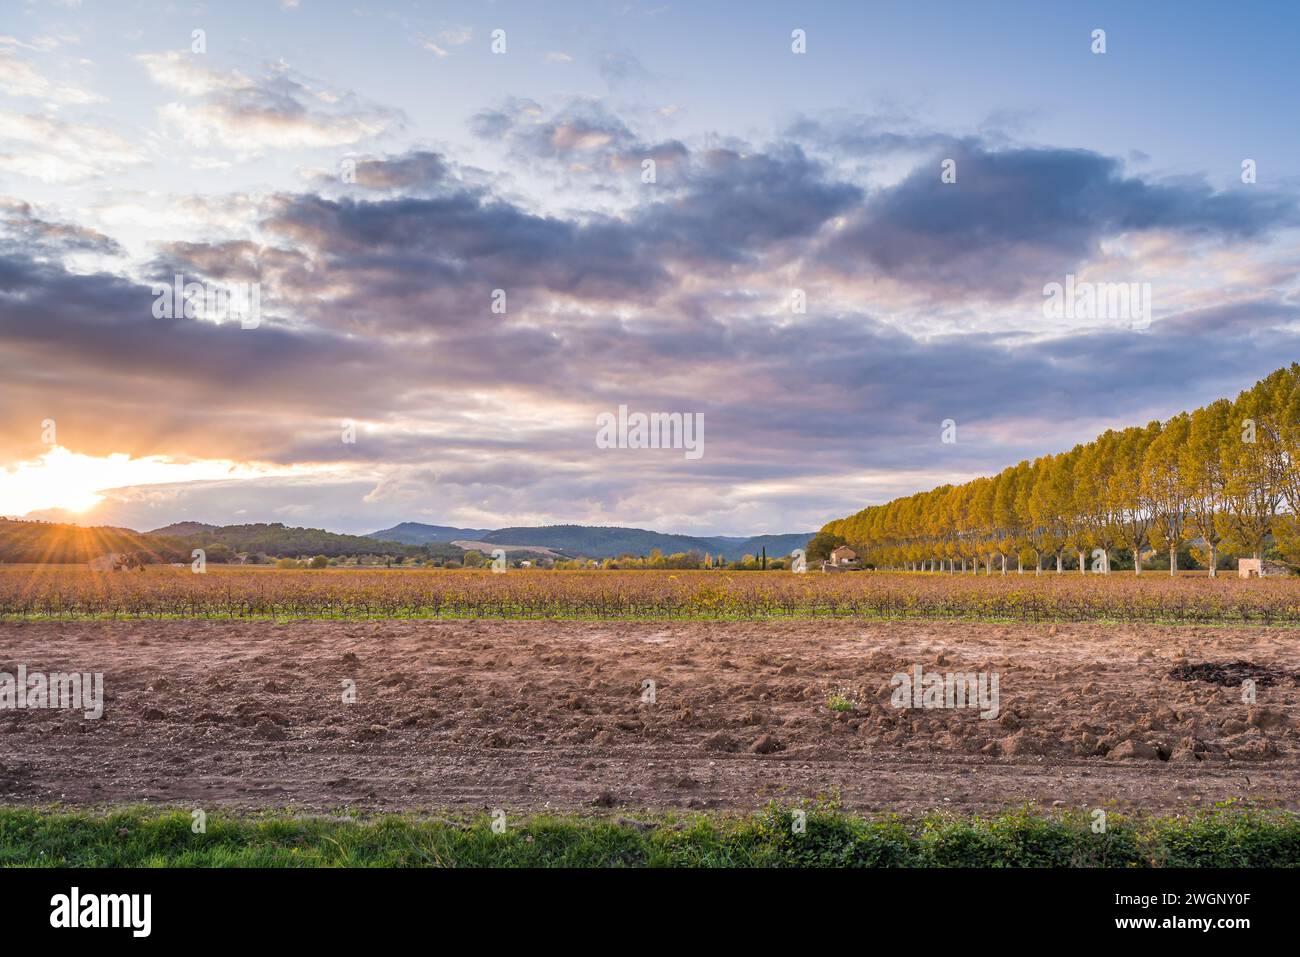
(45,238)
(421,169)
(1018,218)
(735,207)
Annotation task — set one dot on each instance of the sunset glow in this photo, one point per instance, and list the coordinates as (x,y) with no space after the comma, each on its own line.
(69,481)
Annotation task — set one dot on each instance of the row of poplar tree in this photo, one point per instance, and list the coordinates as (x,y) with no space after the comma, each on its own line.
(1223,480)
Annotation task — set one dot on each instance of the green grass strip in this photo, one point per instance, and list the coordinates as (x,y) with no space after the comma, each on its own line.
(1226,836)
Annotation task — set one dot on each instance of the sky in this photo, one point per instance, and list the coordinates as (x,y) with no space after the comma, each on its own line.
(826,231)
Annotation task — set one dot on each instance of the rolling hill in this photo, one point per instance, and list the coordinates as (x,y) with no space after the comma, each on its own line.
(54,543)
(414,533)
(599,541)
(278,539)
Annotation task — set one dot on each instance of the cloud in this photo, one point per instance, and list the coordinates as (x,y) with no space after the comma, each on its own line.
(419,169)
(190,74)
(277,109)
(450,37)
(19,78)
(736,207)
(1018,218)
(378,300)
(59,151)
(45,238)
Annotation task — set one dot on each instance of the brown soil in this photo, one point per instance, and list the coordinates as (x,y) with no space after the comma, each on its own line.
(549,715)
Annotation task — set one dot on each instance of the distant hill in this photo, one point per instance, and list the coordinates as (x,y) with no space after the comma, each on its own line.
(414,533)
(23,541)
(511,550)
(599,541)
(778,545)
(279,540)
(184,529)
(54,543)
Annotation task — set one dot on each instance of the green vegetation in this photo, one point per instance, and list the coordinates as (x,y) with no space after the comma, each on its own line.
(1224,837)
(277,539)
(54,543)
(822,544)
(30,542)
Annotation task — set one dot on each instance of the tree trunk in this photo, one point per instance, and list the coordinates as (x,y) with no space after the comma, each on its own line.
(1137,561)
(1004,562)
(1038,570)
(1214,560)
(1173,560)
(1060,566)
(1083,568)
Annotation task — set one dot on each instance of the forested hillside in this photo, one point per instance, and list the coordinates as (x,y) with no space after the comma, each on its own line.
(276,539)
(22,542)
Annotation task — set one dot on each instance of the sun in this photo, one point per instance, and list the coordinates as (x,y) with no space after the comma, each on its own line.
(72,482)
(59,479)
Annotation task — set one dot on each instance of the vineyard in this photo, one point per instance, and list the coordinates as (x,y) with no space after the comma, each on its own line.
(243,593)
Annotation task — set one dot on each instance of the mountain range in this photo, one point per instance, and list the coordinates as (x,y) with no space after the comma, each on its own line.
(595,541)
(34,541)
